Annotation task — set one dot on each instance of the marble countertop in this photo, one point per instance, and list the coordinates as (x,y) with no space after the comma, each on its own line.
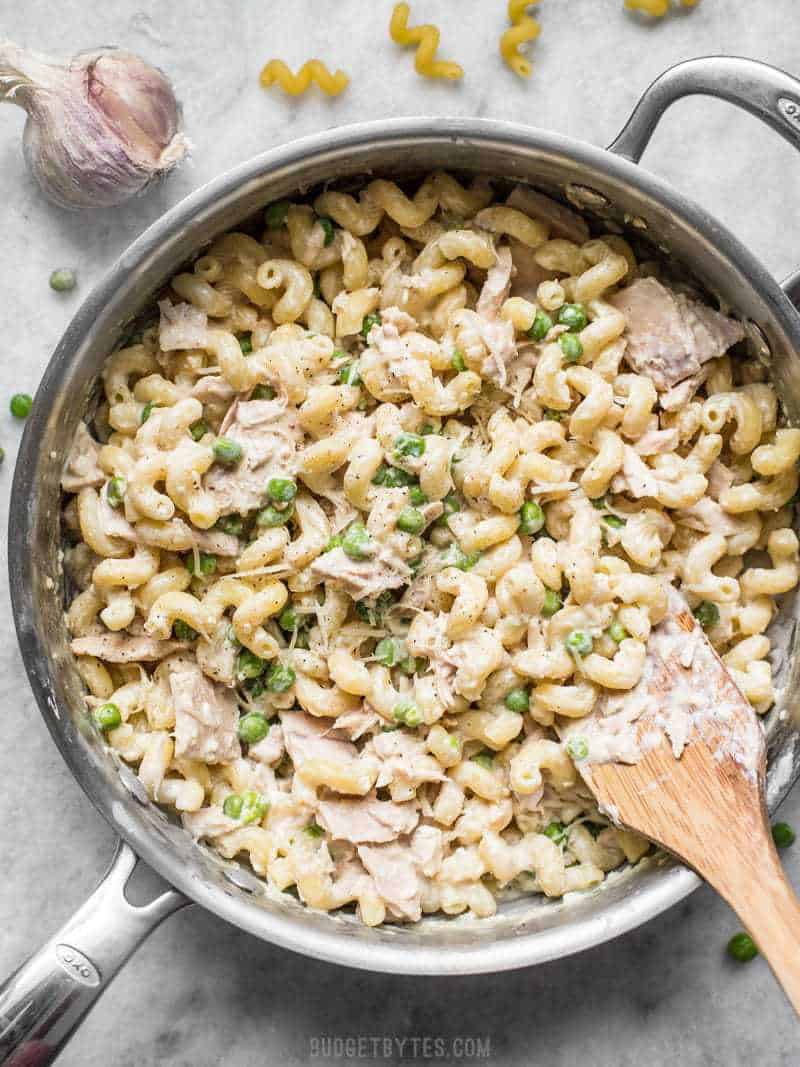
(200,992)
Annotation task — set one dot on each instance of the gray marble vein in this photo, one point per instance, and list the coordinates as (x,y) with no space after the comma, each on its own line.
(200,992)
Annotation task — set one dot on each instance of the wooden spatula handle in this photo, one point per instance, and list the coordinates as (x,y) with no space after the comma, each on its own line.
(758,890)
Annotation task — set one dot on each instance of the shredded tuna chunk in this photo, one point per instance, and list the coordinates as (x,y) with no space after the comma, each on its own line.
(708,517)
(366,820)
(217,656)
(181,326)
(269,435)
(125,648)
(269,749)
(394,872)
(670,336)
(82,470)
(654,442)
(404,760)
(359,578)
(563,222)
(356,723)
(306,738)
(427,845)
(208,823)
(206,717)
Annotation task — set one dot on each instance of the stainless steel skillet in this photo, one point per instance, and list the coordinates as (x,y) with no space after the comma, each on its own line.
(46,999)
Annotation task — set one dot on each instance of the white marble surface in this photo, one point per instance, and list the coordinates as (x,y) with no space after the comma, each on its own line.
(200,992)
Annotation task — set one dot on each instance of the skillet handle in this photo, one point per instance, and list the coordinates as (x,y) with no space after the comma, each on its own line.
(43,1002)
(770,94)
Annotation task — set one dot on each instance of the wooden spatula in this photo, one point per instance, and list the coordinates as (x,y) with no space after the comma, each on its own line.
(706,807)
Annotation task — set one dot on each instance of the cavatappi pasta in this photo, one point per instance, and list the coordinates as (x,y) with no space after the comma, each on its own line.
(391,492)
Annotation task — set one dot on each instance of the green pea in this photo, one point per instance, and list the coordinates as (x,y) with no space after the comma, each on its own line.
(552,603)
(388,652)
(246,343)
(571,347)
(263,392)
(457,360)
(409,444)
(281,490)
(577,748)
(2,454)
(231,524)
(280,678)
(183,631)
(107,717)
(554,416)
(531,518)
(328,229)
(455,556)
(540,327)
(63,279)
(208,563)
(254,807)
(742,948)
(115,493)
(348,374)
(335,542)
(408,713)
(411,521)
(578,642)
(147,411)
(255,687)
(314,830)
(393,477)
(426,429)
(573,316)
(617,632)
(372,611)
(227,452)
(782,834)
(249,665)
(232,806)
(199,429)
(21,404)
(599,502)
(556,831)
(368,322)
(275,214)
(288,619)
(451,505)
(253,728)
(413,665)
(271,516)
(614,521)
(518,700)
(707,614)
(484,759)
(356,541)
(416,496)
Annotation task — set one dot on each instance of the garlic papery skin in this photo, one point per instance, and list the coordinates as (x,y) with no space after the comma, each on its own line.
(101,127)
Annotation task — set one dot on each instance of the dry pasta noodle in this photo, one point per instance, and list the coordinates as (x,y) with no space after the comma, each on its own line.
(656,8)
(426,38)
(313,70)
(368,519)
(523,29)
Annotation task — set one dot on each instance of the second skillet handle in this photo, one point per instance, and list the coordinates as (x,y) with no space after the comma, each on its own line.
(45,1000)
(770,94)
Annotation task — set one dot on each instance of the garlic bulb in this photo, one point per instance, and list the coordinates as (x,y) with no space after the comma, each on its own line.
(100,127)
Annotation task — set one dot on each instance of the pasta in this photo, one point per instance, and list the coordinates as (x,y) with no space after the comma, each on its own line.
(656,8)
(366,521)
(426,38)
(523,29)
(313,70)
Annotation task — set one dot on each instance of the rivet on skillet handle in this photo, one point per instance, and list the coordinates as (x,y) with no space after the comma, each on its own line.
(43,1002)
(770,94)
